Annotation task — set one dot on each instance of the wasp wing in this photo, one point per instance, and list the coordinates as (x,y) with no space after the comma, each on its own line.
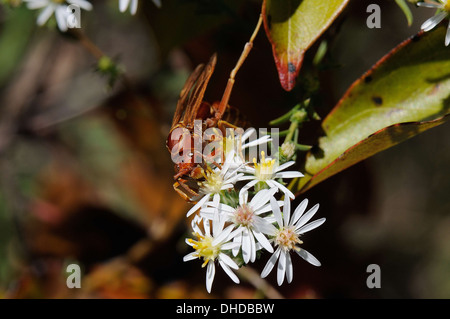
(184,94)
(191,95)
(198,91)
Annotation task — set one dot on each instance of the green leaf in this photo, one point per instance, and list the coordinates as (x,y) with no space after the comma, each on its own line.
(404,94)
(292,26)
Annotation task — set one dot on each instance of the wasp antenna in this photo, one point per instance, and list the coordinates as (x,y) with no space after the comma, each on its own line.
(247,48)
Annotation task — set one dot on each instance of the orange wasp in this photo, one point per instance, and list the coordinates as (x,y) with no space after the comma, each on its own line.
(191,110)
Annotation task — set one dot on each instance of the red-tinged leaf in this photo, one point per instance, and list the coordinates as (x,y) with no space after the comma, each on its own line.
(292,26)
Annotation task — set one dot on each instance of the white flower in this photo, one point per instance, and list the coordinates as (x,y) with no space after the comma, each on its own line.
(58,7)
(444,7)
(246,219)
(287,238)
(239,144)
(216,180)
(267,171)
(288,149)
(124,4)
(210,247)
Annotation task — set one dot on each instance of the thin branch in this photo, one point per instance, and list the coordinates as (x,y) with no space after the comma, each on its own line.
(250,275)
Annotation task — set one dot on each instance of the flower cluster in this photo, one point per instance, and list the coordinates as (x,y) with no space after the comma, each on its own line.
(443,11)
(237,215)
(63,13)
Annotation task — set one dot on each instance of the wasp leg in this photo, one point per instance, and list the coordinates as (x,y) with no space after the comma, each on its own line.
(184,195)
(224,125)
(181,193)
(226,95)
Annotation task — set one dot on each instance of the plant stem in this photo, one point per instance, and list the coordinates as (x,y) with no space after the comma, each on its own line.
(250,275)
(285,117)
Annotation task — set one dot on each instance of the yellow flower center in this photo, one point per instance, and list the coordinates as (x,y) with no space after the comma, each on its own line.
(59,1)
(213,182)
(287,239)
(445,5)
(204,248)
(266,169)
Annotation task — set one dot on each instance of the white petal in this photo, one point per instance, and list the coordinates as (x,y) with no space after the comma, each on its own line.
(263,241)
(248,132)
(263,225)
(228,161)
(310,226)
(282,188)
(299,211)
(262,197)
(230,246)
(210,272)
(190,256)
(428,5)
(229,184)
(207,227)
(238,240)
(270,219)
(243,198)
(247,169)
(308,257)
(195,226)
(289,269)
(134,6)
(235,233)
(289,174)
(228,261)
(199,204)
(433,21)
(268,208)
(61,18)
(281,268)
(286,210)
(246,246)
(253,247)
(45,15)
(86,5)
(229,272)
(222,236)
(246,187)
(123,5)
(269,266)
(263,140)
(309,214)
(37,4)
(207,213)
(247,178)
(284,166)
(447,36)
(276,212)
(224,208)
(216,200)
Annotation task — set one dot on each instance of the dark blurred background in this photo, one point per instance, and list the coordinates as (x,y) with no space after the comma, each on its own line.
(86,178)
